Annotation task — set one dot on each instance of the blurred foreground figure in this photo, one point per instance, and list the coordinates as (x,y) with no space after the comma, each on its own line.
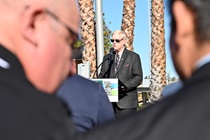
(88,102)
(171,88)
(34,60)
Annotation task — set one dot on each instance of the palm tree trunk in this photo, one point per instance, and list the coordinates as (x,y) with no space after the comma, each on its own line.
(88,33)
(158,55)
(128,23)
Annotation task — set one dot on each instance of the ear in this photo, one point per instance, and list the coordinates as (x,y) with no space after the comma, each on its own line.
(184,20)
(28,27)
(124,40)
(72,68)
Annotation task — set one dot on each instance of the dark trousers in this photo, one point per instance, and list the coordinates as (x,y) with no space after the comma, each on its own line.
(120,112)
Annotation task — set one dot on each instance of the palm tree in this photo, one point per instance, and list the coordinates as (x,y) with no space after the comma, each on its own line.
(158,55)
(128,23)
(88,33)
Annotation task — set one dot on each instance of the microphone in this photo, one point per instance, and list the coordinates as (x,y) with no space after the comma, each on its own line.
(111,53)
(109,57)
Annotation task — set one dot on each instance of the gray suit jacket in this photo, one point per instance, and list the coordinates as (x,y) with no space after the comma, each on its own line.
(129,74)
(89,104)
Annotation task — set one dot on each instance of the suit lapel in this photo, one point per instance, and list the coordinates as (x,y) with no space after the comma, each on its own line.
(112,73)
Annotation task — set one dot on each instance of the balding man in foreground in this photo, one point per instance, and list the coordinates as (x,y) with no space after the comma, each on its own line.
(36,38)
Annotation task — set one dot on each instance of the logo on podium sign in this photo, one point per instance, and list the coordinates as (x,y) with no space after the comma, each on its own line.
(111,88)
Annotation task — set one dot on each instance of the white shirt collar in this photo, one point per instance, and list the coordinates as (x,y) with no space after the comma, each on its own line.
(4,64)
(121,52)
(204,60)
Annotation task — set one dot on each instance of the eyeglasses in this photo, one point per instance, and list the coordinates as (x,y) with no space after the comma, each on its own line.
(73,34)
(116,40)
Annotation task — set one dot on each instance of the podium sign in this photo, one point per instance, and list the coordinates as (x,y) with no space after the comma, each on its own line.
(111,88)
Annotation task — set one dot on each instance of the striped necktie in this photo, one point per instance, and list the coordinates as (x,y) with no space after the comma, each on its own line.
(117,60)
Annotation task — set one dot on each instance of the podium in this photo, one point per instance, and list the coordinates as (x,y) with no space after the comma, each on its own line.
(111,87)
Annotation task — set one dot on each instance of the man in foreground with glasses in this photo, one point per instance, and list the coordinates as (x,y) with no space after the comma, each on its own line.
(126,66)
(35,49)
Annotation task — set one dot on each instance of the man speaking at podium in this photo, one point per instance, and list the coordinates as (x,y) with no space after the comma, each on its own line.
(126,66)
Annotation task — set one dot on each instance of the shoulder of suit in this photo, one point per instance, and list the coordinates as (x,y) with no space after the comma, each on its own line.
(131,52)
(81,80)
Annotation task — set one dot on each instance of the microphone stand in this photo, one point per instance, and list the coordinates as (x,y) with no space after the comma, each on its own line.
(108,58)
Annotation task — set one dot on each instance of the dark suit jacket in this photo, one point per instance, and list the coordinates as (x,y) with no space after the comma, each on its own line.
(129,74)
(185,115)
(182,116)
(27,113)
(88,102)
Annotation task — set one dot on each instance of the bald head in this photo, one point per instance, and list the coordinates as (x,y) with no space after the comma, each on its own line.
(40,33)
(18,7)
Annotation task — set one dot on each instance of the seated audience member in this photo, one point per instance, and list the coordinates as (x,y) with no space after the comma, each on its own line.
(88,102)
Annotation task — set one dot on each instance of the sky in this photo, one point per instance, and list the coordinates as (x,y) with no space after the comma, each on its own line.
(112,10)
